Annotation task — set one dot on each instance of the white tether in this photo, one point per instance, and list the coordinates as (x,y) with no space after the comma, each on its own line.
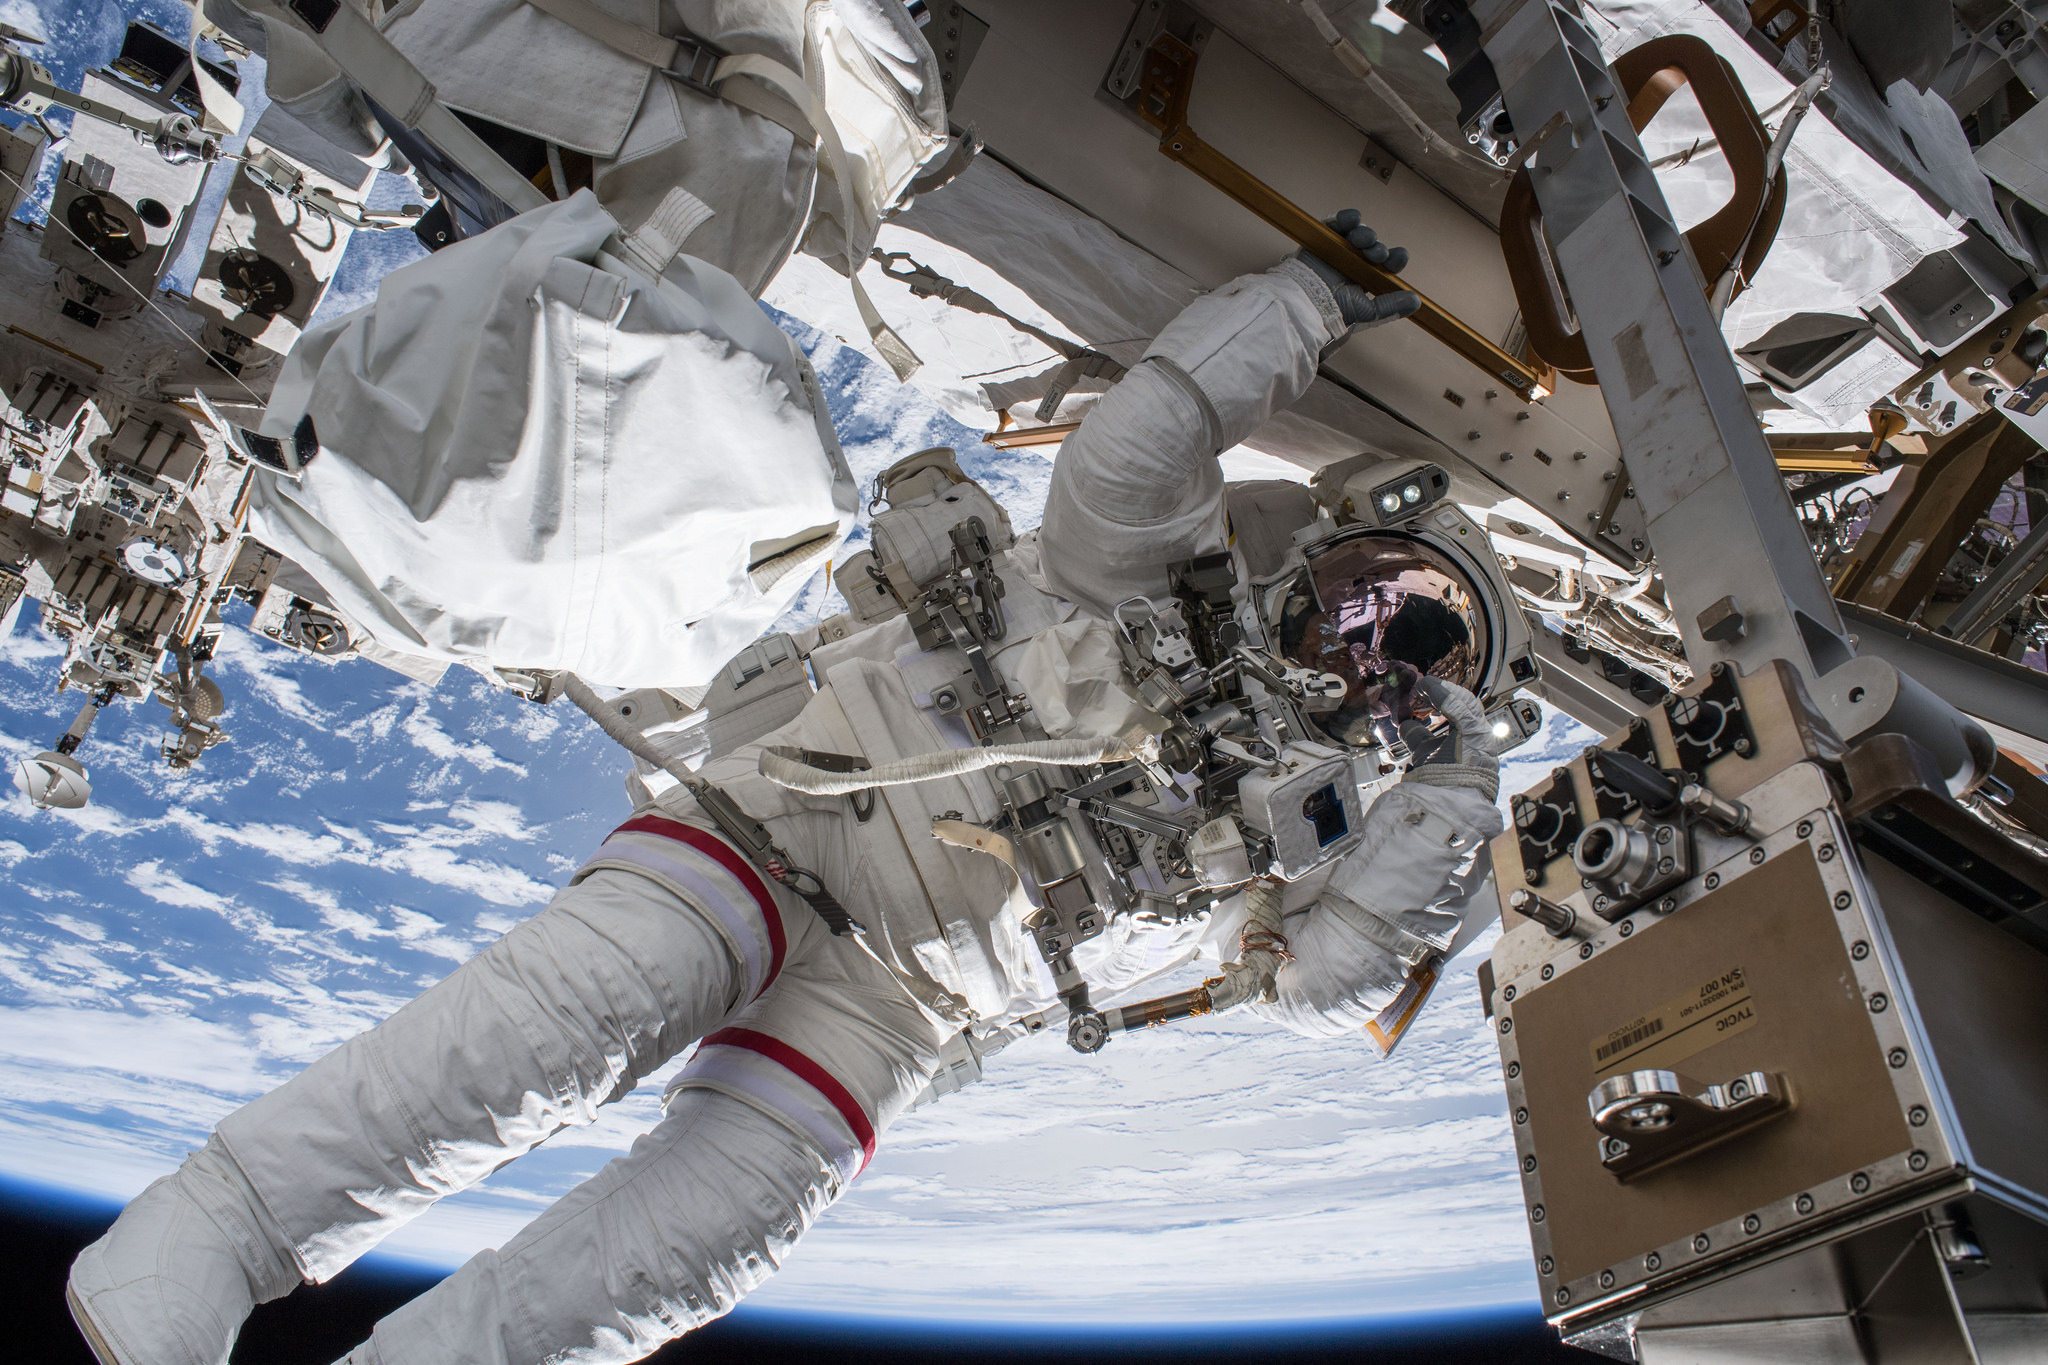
(782,767)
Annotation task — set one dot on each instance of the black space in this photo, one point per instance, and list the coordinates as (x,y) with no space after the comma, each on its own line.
(317,1324)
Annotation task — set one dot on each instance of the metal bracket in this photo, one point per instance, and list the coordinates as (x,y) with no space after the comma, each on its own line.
(1649,1119)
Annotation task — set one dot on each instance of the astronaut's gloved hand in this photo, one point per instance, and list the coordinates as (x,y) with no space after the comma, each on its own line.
(1465,756)
(1359,308)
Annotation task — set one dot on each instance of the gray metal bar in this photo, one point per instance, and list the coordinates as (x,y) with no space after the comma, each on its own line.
(2016,576)
(1720,522)
(1993,689)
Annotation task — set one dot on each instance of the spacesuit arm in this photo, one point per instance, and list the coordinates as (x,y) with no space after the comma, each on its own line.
(1138,486)
(1385,909)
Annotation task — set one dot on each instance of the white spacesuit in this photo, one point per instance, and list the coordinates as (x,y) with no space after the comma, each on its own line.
(808,1043)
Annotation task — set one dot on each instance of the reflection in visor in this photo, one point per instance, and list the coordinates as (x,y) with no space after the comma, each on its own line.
(1380,610)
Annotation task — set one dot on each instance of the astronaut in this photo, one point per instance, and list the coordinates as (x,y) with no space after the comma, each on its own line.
(810,1042)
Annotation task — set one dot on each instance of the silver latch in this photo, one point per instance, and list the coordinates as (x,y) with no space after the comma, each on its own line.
(1648,1119)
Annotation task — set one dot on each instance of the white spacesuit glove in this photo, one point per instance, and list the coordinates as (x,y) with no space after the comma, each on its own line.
(1353,949)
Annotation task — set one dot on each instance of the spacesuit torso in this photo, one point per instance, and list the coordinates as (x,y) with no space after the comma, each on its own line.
(1136,491)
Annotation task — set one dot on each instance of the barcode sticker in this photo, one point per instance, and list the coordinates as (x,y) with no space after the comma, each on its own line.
(1683,1025)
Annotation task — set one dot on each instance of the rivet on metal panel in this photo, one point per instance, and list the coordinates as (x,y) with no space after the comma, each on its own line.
(1712,880)
(1827,853)
(1607,1279)
(1548,971)
(1585,951)
(1878,1003)
(1564,1296)
(1536,1213)
(1859,950)
(1528,1163)
(1514,1070)
(1917,1115)
(1548,1265)
(1507,1026)
(1897,1057)
(1628,926)
(1918,1161)
(1843,900)
(1859,1182)
(1805,828)
(1700,1244)
(1804,1203)
(1521,1116)
(1653,1262)
(1752,1225)
(1667,905)
(1756,855)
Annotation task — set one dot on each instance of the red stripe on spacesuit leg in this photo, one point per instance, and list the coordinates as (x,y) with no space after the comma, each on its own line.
(808,1071)
(727,857)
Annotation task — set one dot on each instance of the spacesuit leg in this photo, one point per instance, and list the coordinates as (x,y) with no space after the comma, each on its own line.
(564,1013)
(764,1129)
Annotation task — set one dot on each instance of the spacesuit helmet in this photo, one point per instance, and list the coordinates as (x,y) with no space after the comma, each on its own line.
(1393,584)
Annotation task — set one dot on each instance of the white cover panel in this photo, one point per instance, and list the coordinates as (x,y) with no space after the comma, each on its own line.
(1851,228)
(529,462)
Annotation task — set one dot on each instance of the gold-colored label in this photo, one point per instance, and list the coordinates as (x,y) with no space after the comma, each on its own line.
(1678,1028)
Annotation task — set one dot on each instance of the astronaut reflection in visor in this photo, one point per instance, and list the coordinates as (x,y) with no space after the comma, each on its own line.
(1382,611)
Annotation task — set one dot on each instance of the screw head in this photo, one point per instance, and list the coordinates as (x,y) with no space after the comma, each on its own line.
(1607,1279)
(1918,1161)
(1653,1262)
(1564,1296)
(1700,1244)
(1843,900)
(1756,855)
(1827,853)
(1585,951)
(1548,971)
(1528,1164)
(1897,1057)
(1531,875)
(1859,1182)
(1507,1026)
(1547,1265)
(1804,1203)
(1667,905)
(1752,1225)
(1859,950)
(1805,828)
(1741,746)
(1917,1115)
(1713,879)
(1507,994)
(1628,926)
(1536,1213)
(1878,1003)
(1663,834)
(1664,866)
(1514,1070)
(1521,1116)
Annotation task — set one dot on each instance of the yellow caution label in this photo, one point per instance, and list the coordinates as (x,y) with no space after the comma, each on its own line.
(1681,1026)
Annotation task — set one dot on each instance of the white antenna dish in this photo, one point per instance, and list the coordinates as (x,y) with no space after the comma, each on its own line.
(53,779)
